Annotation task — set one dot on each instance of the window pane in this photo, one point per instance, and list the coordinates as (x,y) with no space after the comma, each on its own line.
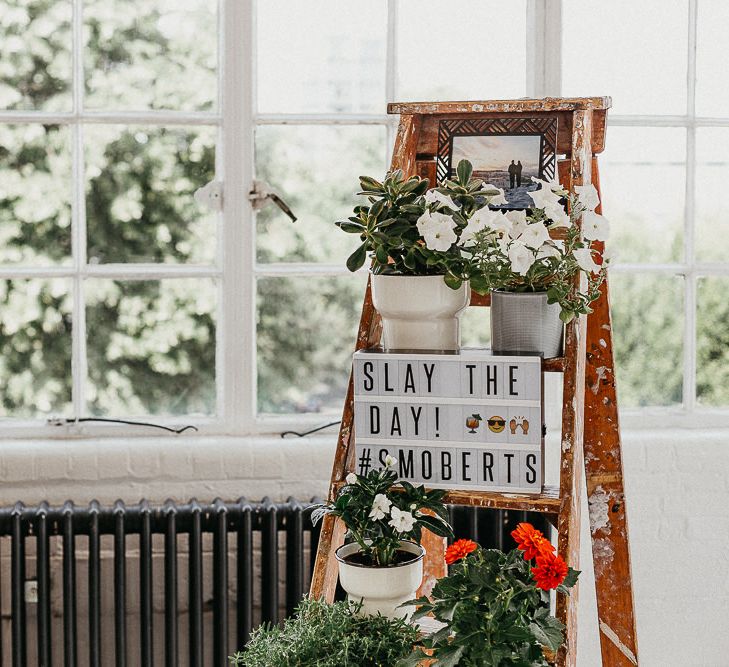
(636,52)
(35,347)
(712,79)
(35,194)
(648,318)
(476,327)
(151,54)
(643,182)
(712,346)
(35,55)
(139,194)
(712,208)
(461,50)
(151,347)
(321,56)
(315,169)
(306,334)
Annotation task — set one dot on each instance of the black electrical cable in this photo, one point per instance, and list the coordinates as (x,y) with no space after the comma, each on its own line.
(314,430)
(128,422)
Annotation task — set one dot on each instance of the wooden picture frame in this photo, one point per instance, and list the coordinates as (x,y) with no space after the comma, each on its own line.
(489,142)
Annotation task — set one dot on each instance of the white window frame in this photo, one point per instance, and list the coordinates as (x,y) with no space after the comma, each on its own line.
(236,270)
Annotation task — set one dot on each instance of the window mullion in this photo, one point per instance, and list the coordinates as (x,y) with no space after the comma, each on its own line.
(236,328)
(544,48)
(689,351)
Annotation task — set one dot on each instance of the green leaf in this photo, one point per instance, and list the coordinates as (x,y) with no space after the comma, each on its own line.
(548,632)
(357,259)
(566,316)
(381,254)
(571,578)
(351,227)
(454,282)
(449,657)
(414,659)
(464,171)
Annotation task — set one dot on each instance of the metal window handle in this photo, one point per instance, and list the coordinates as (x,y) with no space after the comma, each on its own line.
(262,192)
(211,196)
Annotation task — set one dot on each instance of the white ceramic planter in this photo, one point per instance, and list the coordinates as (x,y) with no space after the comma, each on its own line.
(419,312)
(381,589)
(524,323)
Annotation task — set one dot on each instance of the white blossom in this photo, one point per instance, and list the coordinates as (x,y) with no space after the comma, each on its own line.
(544,198)
(390,461)
(437,230)
(521,258)
(554,185)
(547,250)
(401,521)
(583,257)
(518,222)
(535,235)
(558,216)
(351,478)
(587,196)
(482,219)
(435,197)
(595,227)
(380,507)
(495,195)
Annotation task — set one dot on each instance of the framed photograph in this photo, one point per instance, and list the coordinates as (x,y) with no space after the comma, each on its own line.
(505,152)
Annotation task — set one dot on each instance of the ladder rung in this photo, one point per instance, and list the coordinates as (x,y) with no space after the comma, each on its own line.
(548,501)
(554,365)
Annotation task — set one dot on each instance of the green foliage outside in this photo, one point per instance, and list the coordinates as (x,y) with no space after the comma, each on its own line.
(324,635)
(151,346)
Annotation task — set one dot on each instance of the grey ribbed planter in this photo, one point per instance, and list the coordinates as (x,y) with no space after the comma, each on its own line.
(523,322)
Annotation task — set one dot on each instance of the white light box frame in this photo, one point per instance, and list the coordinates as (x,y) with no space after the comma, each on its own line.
(469,420)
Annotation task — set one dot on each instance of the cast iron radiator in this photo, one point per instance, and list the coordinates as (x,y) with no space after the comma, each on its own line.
(163,584)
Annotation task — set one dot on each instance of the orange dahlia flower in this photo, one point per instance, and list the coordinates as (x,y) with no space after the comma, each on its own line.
(550,571)
(531,541)
(458,550)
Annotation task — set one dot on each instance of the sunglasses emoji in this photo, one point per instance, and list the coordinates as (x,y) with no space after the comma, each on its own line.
(496,424)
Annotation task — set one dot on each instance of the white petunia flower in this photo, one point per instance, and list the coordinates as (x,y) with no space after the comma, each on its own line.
(544,198)
(521,258)
(401,521)
(547,250)
(440,239)
(583,257)
(380,507)
(351,478)
(587,196)
(495,195)
(431,221)
(535,235)
(501,222)
(518,222)
(595,227)
(554,185)
(558,216)
(435,197)
(390,461)
(482,219)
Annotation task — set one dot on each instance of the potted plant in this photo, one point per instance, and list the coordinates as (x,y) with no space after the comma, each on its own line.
(494,606)
(328,635)
(381,564)
(531,277)
(414,237)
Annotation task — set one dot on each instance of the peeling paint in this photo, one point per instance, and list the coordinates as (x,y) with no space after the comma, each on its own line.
(600,374)
(606,327)
(603,343)
(599,503)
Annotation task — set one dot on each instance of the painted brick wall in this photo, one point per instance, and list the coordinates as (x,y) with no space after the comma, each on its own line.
(677,486)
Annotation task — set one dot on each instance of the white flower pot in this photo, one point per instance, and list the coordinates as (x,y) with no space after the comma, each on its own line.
(524,323)
(381,589)
(419,312)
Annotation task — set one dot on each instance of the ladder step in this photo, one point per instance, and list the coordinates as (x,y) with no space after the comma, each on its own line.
(548,501)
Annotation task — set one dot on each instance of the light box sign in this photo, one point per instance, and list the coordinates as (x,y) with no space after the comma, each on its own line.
(469,420)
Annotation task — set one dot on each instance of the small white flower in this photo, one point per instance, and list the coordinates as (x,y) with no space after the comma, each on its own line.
(351,478)
(553,185)
(413,506)
(435,197)
(401,521)
(521,258)
(495,195)
(547,250)
(587,196)
(518,222)
(595,227)
(544,198)
(583,257)
(440,240)
(558,216)
(380,507)
(535,235)
(390,461)
(431,220)
(482,219)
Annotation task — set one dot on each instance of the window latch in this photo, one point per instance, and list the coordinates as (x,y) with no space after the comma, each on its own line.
(261,193)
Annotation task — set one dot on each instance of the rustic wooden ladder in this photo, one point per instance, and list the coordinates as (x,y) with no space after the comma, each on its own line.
(590,431)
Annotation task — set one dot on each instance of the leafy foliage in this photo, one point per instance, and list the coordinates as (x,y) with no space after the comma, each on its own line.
(379,533)
(324,635)
(494,615)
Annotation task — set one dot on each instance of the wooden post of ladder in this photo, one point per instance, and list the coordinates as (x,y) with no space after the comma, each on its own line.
(580,136)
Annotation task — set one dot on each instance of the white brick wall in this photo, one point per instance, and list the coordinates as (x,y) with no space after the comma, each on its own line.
(676,483)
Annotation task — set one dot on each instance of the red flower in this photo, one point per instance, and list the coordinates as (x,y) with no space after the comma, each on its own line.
(458,550)
(531,541)
(550,571)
